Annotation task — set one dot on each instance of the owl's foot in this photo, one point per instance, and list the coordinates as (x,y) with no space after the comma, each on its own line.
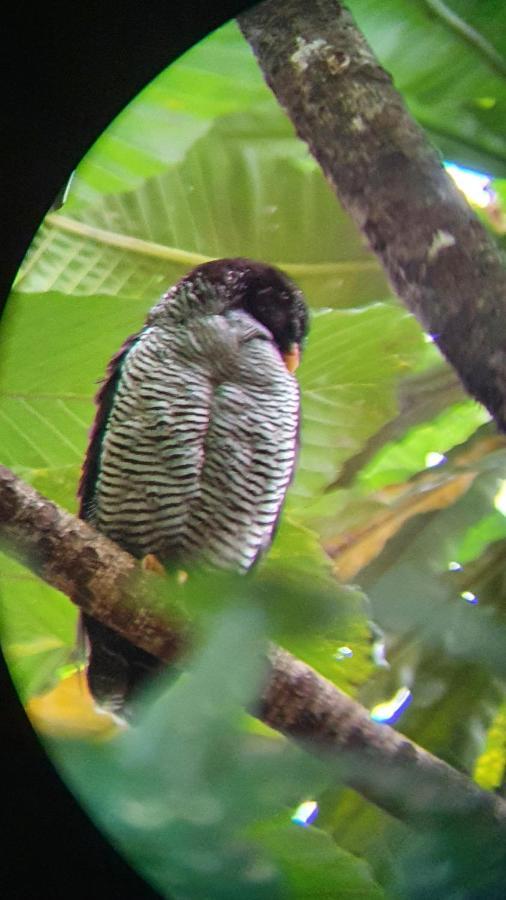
(151,563)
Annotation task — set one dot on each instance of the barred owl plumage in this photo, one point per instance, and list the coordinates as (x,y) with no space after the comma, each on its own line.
(195,438)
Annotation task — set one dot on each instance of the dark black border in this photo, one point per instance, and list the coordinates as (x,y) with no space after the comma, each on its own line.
(69,68)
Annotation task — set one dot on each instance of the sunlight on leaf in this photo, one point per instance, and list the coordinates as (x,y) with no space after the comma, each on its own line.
(490,767)
(355,550)
(397,460)
(68,711)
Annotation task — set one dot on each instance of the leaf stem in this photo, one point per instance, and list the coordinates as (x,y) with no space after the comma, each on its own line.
(186,257)
(124,241)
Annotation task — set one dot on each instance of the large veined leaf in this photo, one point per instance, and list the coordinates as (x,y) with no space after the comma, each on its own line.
(444,72)
(212,190)
(348,377)
(246,188)
(54,351)
(163,122)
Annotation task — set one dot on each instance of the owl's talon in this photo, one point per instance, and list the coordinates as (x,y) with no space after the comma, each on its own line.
(151,563)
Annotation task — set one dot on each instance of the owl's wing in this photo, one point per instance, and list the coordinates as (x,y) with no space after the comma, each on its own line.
(152,445)
(115,666)
(104,400)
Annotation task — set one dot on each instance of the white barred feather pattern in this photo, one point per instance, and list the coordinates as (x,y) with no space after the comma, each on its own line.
(194,441)
(200,444)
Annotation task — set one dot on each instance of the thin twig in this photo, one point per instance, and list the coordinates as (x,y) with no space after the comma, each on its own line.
(466,31)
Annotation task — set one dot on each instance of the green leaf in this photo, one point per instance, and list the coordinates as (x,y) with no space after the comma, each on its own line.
(38,629)
(450,83)
(179,793)
(445,75)
(398,460)
(52,355)
(448,651)
(348,384)
(478,537)
(313,865)
(47,385)
(237,191)
(163,122)
(411,588)
(490,767)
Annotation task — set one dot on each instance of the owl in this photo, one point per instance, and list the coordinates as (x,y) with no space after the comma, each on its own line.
(195,439)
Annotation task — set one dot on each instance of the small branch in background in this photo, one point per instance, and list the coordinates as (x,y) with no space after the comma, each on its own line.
(439,258)
(103,580)
(420,397)
(384,766)
(468,33)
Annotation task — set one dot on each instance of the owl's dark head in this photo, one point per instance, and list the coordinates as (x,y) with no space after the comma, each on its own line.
(264,292)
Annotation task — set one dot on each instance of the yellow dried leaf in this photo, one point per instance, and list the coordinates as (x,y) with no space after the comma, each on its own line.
(68,710)
(489,768)
(353,550)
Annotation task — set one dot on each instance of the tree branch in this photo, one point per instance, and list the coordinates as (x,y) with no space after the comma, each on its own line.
(439,258)
(91,570)
(420,398)
(106,582)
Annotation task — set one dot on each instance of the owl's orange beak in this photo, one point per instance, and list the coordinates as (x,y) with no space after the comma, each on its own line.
(292,358)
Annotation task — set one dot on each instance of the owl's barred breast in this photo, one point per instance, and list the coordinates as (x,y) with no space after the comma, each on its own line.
(194,440)
(200,443)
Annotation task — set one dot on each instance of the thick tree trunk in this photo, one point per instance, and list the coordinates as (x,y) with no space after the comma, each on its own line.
(439,258)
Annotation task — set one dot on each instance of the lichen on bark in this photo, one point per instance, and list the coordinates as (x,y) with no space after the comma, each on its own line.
(439,258)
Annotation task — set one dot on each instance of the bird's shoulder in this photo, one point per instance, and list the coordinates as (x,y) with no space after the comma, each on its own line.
(230,346)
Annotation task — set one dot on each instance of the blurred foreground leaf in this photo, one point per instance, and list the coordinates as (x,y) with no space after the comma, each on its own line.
(179,793)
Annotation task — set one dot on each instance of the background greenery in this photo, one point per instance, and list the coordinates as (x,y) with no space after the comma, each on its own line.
(204,164)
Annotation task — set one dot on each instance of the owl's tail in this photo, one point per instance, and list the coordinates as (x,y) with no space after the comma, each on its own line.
(116,668)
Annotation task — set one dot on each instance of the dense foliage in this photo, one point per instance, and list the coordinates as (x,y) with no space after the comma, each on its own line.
(204,164)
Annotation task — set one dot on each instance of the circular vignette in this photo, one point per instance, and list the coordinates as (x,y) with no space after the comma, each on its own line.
(59,61)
